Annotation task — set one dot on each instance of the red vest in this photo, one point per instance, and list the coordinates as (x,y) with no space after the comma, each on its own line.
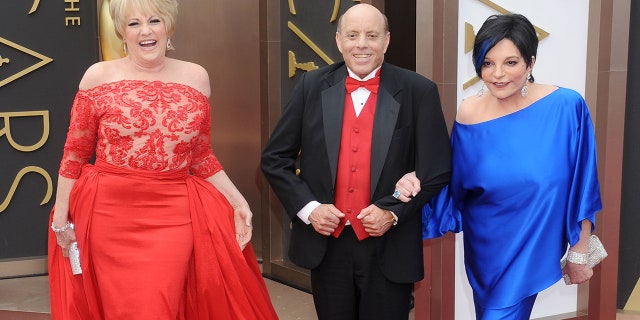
(353,181)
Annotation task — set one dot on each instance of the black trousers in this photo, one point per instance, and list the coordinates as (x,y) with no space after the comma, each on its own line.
(349,285)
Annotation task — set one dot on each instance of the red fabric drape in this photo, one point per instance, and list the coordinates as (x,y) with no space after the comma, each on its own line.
(222,282)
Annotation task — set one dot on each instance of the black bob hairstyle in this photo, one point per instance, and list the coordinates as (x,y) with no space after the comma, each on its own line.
(514,27)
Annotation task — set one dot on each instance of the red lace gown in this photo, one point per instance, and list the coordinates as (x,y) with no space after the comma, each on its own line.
(156,240)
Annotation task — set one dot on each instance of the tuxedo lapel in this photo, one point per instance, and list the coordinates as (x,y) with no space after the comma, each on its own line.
(332,117)
(387,110)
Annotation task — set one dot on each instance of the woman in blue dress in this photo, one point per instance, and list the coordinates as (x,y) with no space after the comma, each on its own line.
(524,182)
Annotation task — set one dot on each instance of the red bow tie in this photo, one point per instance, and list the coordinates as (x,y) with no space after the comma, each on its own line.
(371,84)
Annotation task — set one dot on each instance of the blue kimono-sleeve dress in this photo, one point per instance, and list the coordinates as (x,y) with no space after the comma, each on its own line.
(521,185)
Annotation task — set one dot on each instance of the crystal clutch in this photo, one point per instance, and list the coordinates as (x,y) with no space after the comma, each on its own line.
(596,253)
(74,258)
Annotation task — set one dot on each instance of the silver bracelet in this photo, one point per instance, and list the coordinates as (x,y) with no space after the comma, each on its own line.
(577,258)
(66,227)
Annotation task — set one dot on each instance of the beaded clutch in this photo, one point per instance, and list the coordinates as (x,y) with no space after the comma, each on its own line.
(74,258)
(597,252)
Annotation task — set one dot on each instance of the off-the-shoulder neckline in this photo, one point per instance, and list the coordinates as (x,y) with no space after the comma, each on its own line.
(167,83)
(532,104)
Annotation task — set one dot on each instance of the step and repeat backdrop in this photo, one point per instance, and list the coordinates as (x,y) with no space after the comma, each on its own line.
(45,46)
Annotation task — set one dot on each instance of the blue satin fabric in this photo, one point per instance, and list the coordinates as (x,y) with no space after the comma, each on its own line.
(519,311)
(521,185)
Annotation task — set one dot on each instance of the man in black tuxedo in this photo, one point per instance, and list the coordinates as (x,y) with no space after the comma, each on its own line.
(354,140)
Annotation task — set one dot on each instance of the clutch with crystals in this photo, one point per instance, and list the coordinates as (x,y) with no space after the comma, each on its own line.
(596,253)
(74,258)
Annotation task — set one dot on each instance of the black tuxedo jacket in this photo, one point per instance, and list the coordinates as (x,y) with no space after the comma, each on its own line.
(409,133)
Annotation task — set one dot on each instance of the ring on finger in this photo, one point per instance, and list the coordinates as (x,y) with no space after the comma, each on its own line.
(396,193)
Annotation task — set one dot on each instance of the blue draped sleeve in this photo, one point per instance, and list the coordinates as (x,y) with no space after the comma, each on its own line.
(584,194)
(440,216)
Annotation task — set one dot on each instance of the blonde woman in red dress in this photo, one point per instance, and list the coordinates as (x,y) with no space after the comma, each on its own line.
(162,231)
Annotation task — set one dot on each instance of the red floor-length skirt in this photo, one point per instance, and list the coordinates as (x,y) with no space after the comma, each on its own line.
(154,246)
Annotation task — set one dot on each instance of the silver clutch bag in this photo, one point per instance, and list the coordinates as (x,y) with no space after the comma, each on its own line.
(74,258)
(596,253)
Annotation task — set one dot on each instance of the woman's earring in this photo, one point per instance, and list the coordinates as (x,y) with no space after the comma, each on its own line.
(124,48)
(525,88)
(481,91)
(169,44)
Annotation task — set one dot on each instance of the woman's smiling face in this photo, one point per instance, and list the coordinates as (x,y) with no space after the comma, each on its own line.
(145,35)
(504,71)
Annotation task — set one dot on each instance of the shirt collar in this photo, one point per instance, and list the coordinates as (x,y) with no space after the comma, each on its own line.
(369,76)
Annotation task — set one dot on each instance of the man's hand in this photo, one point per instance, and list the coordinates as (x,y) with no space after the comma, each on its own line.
(325,219)
(376,221)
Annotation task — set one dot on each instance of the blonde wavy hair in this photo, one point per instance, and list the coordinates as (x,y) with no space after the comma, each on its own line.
(166,9)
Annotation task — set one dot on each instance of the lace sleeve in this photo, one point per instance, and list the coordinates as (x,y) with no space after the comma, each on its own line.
(81,137)
(204,163)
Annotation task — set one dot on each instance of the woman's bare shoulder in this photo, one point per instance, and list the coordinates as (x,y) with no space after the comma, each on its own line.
(99,73)
(468,109)
(191,74)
